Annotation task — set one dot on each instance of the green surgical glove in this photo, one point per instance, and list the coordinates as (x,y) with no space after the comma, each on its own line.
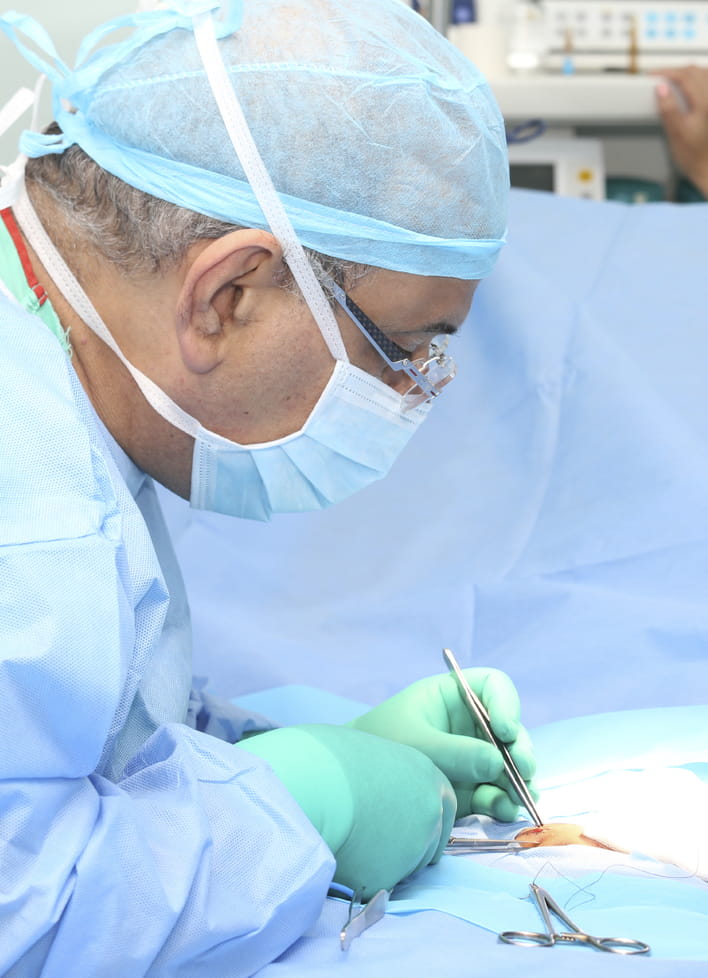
(431,716)
(383,808)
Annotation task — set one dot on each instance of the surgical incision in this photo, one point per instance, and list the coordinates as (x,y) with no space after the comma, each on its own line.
(557,834)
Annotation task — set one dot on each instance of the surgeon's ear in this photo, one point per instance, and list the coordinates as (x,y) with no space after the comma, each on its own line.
(219,289)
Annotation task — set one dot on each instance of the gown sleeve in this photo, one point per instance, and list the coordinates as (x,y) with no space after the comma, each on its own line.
(194,860)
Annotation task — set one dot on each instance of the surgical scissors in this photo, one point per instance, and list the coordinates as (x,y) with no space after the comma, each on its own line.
(546,906)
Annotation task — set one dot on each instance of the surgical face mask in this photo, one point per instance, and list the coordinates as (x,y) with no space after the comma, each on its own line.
(350,439)
(358,426)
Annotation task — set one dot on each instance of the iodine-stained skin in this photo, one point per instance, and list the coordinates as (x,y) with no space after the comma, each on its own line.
(557,834)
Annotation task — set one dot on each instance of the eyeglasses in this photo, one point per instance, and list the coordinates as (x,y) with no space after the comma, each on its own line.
(428,374)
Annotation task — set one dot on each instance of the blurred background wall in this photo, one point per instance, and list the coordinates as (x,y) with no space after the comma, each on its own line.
(67,23)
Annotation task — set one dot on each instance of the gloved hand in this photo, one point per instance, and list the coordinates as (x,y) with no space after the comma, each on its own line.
(383,808)
(431,716)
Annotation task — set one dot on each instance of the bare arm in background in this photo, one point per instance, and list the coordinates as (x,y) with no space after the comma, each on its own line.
(684,115)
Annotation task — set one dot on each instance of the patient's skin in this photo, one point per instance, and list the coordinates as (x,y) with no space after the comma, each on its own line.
(557,834)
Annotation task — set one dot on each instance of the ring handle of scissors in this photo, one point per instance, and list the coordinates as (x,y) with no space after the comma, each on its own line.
(620,945)
(616,945)
(527,938)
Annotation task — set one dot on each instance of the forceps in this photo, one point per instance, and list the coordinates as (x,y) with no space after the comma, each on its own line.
(478,711)
(546,906)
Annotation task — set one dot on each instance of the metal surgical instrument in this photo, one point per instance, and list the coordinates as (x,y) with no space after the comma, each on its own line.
(574,935)
(361,915)
(461,846)
(482,717)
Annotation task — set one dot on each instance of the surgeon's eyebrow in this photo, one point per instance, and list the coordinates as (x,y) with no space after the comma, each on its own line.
(432,329)
(443,326)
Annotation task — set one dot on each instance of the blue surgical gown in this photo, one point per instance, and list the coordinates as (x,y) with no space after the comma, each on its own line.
(131,842)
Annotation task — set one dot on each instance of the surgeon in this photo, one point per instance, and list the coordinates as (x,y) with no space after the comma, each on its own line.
(231,265)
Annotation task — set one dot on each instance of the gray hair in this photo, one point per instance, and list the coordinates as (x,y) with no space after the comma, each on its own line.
(137,233)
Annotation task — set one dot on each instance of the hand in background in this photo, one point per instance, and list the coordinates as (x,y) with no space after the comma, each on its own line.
(682,99)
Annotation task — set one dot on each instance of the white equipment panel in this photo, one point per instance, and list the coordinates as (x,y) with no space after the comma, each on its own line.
(581,99)
(568,167)
(608,34)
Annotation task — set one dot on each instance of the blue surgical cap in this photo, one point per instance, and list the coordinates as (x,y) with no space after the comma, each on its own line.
(384,142)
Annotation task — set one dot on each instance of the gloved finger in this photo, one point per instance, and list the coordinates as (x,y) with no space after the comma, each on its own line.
(447,820)
(457,716)
(503,783)
(466,784)
(402,806)
(500,699)
(489,799)
(480,799)
(465,794)
(495,800)
(522,754)
(462,759)
(498,696)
